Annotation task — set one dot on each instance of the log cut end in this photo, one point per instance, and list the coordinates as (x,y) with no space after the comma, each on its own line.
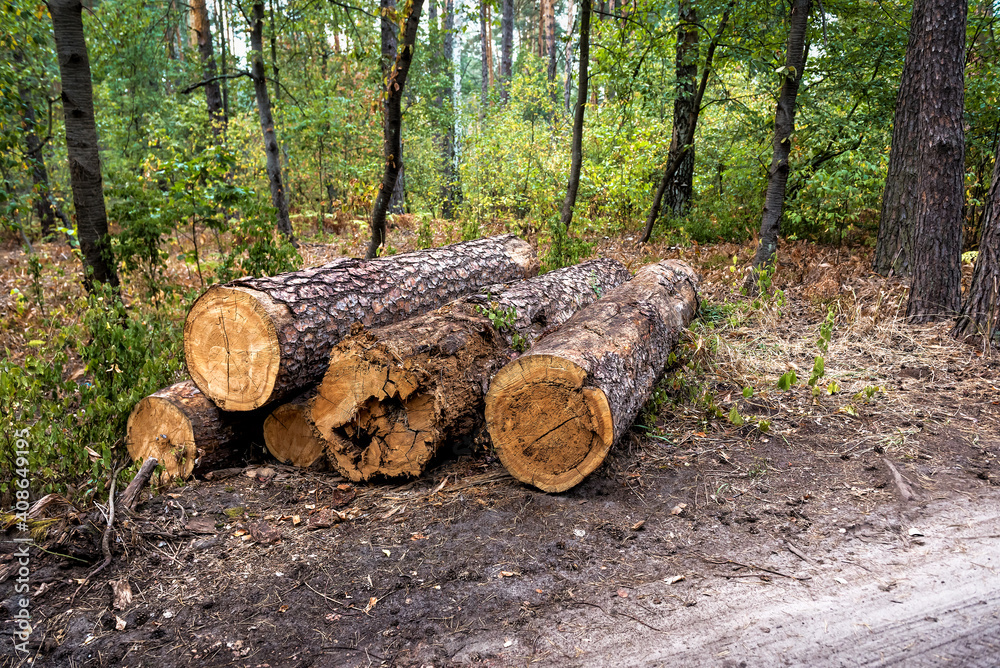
(290,437)
(158,428)
(373,419)
(548,429)
(231,346)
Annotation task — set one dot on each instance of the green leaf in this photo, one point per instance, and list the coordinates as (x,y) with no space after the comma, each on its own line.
(735,417)
(787,380)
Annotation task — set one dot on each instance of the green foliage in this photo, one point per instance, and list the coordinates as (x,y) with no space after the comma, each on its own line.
(565,249)
(787,380)
(503,320)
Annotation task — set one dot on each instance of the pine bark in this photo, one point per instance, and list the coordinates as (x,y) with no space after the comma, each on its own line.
(936,285)
(550,39)
(576,162)
(81,143)
(290,437)
(390,46)
(258,340)
(450,186)
(484,43)
(506,48)
(894,247)
(568,84)
(393,396)
(554,413)
(679,191)
(188,433)
(258,74)
(202,27)
(784,125)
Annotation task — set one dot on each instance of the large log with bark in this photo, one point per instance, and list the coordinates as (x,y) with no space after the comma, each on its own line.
(257,340)
(554,412)
(186,432)
(393,395)
(290,437)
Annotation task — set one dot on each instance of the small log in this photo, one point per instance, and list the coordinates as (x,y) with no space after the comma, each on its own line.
(394,394)
(185,431)
(131,494)
(290,437)
(258,340)
(554,412)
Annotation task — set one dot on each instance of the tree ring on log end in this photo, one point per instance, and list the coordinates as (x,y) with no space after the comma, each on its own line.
(548,428)
(231,347)
(158,428)
(290,437)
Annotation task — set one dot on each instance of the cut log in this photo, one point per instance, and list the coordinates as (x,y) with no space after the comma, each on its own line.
(257,340)
(290,437)
(393,395)
(186,432)
(554,412)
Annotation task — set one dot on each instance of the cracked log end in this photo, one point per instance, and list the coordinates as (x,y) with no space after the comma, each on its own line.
(289,436)
(548,429)
(373,419)
(158,428)
(231,346)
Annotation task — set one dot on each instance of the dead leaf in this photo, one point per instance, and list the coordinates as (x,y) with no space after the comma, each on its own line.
(678,509)
(122,592)
(119,623)
(371,604)
(418,536)
(264,533)
(343,495)
(622,593)
(296,520)
(283,608)
(325,518)
(201,525)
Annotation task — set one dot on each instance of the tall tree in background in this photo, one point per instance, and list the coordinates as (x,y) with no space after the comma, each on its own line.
(449,188)
(487,54)
(257,73)
(213,93)
(392,125)
(43,204)
(581,105)
(784,125)
(678,194)
(568,84)
(550,37)
(81,142)
(936,285)
(506,48)
(389,35)
(894,248)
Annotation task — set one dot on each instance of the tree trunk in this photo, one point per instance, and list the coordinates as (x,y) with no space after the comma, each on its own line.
(568,87)
(183,429)
(894,248)
(394,395)
(257,340)
(554,413)
(784,125)
(550,39)
(581,104)
(390,45)
(485,63)
(678,194)
(981,312)
(936,285)
(289,436)
(43,204)
(506,48)
(81,143)
(213,93)
(393,122)
(449,188)
(271,150)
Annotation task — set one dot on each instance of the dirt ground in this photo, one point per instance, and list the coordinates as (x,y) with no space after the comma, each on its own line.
(858,527)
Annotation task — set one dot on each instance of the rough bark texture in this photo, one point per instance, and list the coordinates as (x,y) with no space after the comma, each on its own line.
(894,248)
(506,48)
(254,341)
(784,125)
(393,396)
(271,149)
(678,194)
(568,85)
(213,93)
(981,311)
(550,39)
(183,429)
(392,126)
(484,61)
(289,436)
(81,142)
(936,285)
(581,105)
(390,46)
(554,412)
(449,186)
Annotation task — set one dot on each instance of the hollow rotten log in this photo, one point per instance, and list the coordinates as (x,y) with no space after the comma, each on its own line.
(186,432)
(290,437)
(393,395)
(554,412)
(257,340)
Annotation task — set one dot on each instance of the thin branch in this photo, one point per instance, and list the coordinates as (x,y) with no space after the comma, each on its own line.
(343,5)
(221,77)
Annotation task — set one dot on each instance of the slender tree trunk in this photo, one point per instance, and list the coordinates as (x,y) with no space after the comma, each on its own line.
(784,125)
(390,43)
(550,39)
(450,176)
(568,88)
(936,285)
(81,143)
(485,61)
(224,30)
(506,48)
(894,248)
(392,125)
(581,105)
(213,93)
(257,73)
(43,206)
(276,78)
(678,194)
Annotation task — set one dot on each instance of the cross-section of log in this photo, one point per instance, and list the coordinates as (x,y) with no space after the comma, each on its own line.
(393,395)
(554,412)
(254,341)
(185,431)
(290,437)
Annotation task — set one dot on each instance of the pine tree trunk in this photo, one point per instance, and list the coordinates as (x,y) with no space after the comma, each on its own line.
(568,86)
(506,48)
(290,437)
(678,195)
(784,125)
(484,44)
(213,93)
(554,413)
(393,396)
(550,39)
(257,73)
(450,185)
(936,285)
(81,143)
(576,162)
(258,340)
(43,205)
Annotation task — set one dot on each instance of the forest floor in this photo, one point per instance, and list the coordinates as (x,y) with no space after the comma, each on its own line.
(858,527)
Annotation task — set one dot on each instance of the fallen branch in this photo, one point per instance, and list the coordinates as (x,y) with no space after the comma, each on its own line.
(904,489)
(131,494)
